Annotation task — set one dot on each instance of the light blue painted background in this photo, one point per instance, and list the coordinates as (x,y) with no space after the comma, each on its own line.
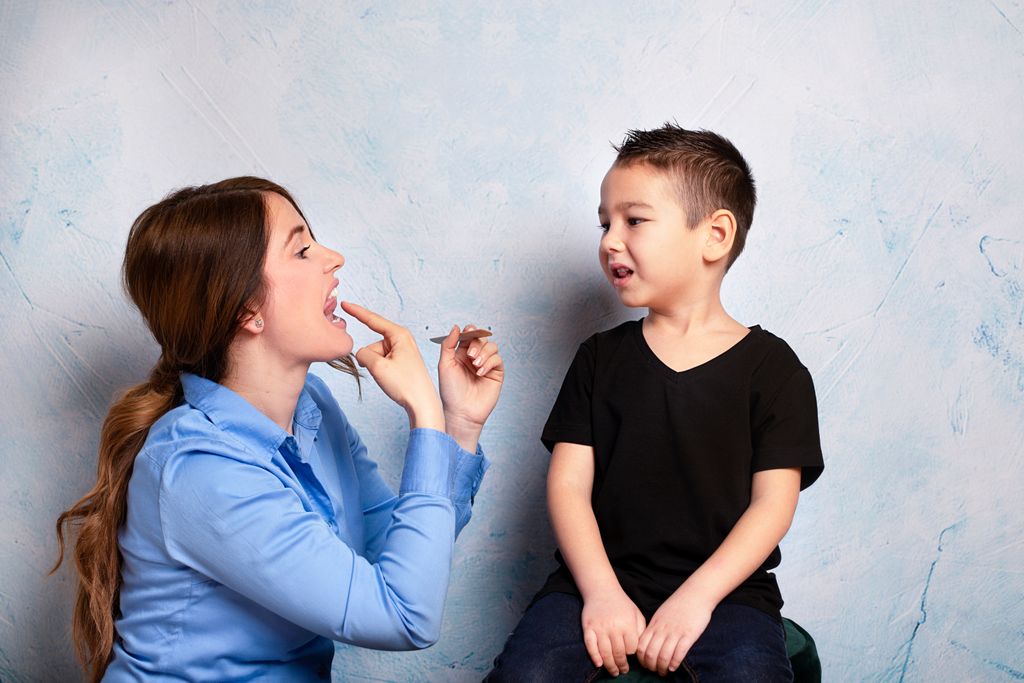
(454,156)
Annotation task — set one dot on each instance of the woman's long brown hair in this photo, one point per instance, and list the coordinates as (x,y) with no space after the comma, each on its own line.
(194,268)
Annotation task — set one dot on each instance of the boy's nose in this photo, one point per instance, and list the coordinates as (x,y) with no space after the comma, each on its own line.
(610,242)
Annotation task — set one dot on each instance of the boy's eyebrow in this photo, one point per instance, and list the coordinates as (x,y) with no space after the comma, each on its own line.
(622,206)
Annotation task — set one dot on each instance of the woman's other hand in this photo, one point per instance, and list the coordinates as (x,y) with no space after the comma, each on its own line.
(470,377)
(395,364)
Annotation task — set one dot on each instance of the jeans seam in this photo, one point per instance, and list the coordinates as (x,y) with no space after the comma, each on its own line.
(693,674)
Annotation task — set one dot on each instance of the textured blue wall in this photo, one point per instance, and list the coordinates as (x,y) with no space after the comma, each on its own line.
(454,156)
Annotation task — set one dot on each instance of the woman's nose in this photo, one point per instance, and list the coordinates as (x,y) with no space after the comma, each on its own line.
(334,259)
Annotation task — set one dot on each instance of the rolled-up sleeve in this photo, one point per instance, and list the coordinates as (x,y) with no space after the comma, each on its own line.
(237,523)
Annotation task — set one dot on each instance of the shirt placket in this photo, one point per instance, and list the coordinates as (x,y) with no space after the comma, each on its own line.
(310,484)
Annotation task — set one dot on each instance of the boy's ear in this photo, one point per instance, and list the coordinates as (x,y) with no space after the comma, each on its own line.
(721,231)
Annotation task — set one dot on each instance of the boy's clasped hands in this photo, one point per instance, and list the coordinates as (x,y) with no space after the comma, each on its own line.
(613,627)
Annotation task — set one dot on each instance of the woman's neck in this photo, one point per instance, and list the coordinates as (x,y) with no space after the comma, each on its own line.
(270,387)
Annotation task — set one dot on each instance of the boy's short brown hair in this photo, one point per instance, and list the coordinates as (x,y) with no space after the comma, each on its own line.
(708,171)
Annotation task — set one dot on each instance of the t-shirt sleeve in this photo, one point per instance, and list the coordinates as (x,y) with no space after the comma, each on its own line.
(786,430)
(569,420)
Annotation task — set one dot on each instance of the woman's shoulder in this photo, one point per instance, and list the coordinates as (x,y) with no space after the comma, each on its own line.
(186,431)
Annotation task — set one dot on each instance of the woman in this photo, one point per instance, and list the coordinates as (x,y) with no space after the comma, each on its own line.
(237,526)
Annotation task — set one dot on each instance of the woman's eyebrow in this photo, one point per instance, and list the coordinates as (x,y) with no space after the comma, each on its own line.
(298,229)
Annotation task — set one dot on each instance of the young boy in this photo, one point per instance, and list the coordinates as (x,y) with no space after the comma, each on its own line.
(680,443)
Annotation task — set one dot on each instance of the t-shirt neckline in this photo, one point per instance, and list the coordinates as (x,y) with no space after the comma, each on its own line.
(660,366)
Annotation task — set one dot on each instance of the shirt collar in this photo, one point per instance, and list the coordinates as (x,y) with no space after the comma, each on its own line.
(232,413)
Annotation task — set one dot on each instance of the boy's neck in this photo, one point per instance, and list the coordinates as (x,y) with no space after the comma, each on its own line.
(696,316)
(685,336)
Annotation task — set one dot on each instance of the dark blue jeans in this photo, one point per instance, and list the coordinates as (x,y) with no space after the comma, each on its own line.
(740,644)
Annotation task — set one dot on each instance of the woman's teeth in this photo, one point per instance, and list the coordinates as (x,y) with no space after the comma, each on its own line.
(330,305)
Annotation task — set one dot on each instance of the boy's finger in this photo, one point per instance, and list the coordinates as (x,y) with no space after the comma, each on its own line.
(682,647)
(619,652)
(629,640)
(651,651)
(641,645)
(606,655)
(665,656)
(374,321)
(590,642)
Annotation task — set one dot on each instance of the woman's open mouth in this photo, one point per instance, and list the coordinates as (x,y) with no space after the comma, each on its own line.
(330,306)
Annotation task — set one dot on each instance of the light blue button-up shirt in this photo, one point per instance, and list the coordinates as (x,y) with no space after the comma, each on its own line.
(248,550)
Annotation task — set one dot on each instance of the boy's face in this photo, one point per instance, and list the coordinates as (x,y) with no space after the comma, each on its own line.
(648,252)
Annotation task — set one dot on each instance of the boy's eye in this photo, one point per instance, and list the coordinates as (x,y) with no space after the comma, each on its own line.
(635,221)
(302,252)
(604,227)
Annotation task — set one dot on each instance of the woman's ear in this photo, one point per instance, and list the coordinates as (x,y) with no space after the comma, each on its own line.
(253,324)
(721,231)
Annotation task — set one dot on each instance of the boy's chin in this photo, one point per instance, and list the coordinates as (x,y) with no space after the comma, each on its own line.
(631,300)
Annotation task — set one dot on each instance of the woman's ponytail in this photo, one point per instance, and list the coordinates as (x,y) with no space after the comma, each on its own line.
(97,517)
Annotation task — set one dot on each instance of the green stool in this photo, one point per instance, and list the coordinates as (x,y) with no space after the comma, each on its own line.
(803,657)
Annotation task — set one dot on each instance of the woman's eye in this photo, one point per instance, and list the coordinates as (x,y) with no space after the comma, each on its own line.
(302,252)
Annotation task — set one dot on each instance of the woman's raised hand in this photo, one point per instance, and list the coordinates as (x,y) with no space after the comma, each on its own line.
(470,377)
(396,365)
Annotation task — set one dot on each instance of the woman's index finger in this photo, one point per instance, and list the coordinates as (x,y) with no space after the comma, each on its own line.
(374,321)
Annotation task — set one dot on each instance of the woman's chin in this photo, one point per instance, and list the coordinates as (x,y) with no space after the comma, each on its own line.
(344,348)
(336,344)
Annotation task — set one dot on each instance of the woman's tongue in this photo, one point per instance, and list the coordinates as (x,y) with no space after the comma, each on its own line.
(329,307)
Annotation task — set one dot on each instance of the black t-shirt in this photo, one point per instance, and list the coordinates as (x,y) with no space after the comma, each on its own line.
(675,453)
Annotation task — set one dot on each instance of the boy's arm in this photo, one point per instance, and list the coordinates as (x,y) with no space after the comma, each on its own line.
(683,617)
(611,622)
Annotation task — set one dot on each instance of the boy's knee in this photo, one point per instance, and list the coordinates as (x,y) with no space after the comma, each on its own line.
(538,661)
(510,668)
(748,663)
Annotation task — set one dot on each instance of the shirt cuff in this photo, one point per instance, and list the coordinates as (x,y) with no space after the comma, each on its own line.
(436,464)
(430,463)
(469,472)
